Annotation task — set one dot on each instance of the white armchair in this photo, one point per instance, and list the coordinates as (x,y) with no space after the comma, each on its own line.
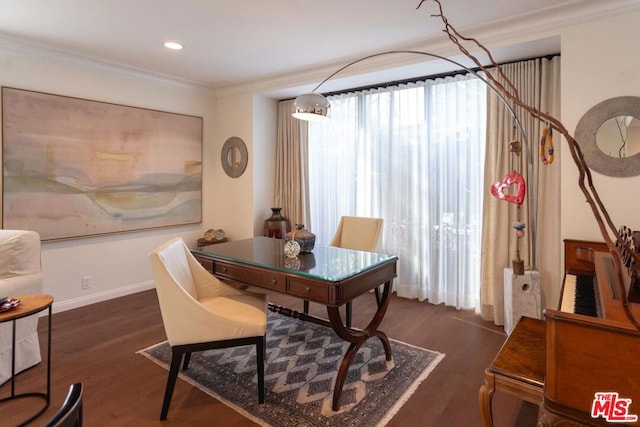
(200,312)
(20,274)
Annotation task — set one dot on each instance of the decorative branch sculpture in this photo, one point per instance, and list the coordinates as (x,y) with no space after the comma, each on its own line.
(610,233)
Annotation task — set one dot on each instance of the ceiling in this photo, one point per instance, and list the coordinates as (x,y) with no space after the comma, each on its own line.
(275,44)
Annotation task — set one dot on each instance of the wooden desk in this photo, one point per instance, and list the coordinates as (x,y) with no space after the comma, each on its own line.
(330,276)
(29,304)
(518,369)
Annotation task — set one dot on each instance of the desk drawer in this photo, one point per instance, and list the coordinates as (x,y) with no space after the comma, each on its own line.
(250,276)
(310,291)
(207,263)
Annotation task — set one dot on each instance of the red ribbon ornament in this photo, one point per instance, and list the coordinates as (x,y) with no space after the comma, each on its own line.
(511,179)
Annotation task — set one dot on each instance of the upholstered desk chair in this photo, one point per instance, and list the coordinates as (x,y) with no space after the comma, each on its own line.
(359,233)
(20,274)
(200,312)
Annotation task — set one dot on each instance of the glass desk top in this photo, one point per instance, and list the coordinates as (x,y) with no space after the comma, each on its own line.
(325,262)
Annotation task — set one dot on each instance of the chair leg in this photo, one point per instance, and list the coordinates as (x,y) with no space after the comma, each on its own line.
(185,363)
(260,355)
(348,310)
(176,358)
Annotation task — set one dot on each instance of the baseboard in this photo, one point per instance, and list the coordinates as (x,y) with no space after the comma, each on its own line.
(102,296)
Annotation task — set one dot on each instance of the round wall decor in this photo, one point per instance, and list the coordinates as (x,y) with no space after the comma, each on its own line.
(234,157)
(625,112)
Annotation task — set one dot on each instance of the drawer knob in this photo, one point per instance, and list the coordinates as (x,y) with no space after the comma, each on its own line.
(224,269)
(307,288)
(274,281)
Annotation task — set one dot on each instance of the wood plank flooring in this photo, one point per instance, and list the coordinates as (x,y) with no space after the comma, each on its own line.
(97,345)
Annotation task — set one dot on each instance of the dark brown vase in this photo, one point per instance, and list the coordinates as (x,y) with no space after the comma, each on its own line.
(276,225)
(304,237)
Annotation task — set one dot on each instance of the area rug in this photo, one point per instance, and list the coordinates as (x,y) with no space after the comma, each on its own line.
(300,371)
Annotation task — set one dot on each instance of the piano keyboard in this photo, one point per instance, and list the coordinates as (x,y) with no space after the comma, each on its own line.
(579,295)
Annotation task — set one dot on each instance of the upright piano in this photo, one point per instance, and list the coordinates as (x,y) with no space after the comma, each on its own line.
(592,345)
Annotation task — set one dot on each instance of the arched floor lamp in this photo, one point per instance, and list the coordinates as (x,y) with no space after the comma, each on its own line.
(314,106)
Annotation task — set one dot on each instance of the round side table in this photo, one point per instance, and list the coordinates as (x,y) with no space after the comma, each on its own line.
(29,304)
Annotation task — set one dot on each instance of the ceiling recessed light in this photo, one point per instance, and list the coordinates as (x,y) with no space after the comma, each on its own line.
(173,45)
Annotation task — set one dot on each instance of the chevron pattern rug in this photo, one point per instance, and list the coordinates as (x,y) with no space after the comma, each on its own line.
(300,371)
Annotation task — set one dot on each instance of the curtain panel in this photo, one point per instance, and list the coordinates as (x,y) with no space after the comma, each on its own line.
(538,85)
(292,160)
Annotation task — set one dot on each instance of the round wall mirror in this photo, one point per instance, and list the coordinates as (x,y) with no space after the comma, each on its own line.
(619,137)
(234,157)
(609,136)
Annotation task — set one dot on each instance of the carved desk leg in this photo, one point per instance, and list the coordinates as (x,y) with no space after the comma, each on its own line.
(485,394)
(357,339)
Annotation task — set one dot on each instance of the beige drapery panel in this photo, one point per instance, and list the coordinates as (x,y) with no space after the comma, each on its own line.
(538,83)
(292,176)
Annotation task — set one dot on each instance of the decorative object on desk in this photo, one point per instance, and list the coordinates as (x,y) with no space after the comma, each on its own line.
(301,366)
(234,157)
(276,225)
(304,237)
(291,249)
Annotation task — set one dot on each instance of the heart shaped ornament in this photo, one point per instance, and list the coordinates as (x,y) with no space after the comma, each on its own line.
(514,184)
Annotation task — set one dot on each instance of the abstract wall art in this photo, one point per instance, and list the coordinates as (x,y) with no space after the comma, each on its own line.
(75,167)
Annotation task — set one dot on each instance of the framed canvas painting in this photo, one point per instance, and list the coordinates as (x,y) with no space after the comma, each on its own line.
(75,168)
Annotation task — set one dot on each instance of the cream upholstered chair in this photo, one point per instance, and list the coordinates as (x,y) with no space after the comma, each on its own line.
(360,233)
(20,274)
(200,312)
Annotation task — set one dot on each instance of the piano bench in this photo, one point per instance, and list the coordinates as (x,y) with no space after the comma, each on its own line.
(518,369)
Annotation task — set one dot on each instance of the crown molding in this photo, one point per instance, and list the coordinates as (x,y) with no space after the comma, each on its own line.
(541,24)
(22,47)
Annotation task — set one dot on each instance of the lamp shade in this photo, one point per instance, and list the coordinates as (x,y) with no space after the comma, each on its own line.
(311,106)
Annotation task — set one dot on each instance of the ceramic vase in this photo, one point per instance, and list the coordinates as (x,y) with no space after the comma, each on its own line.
(304,237)
(276,225)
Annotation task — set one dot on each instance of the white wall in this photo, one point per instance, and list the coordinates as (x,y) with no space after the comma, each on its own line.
(599,61)
(265,119)
(117,264)
(241,204)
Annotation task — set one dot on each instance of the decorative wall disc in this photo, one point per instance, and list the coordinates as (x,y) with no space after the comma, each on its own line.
(234,157)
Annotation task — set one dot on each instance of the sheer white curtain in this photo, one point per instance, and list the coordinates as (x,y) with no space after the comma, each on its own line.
(414,156)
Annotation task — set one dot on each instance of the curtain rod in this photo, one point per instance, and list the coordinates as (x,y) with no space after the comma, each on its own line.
(422,78)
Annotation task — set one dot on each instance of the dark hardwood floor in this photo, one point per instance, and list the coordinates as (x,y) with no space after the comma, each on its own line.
(97,345)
